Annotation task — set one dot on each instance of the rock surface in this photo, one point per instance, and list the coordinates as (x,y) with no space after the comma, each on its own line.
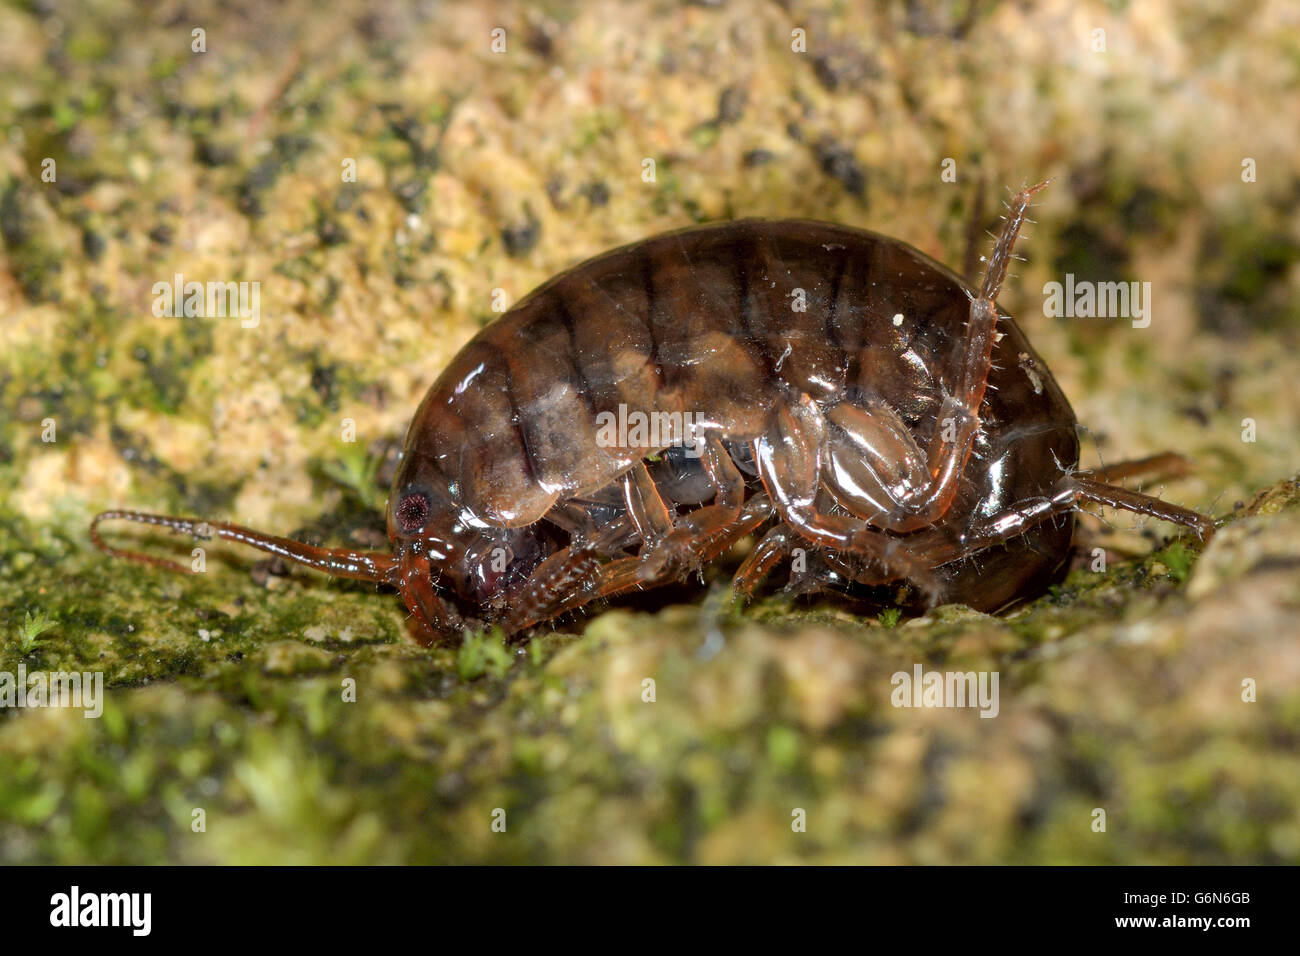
(1162,688)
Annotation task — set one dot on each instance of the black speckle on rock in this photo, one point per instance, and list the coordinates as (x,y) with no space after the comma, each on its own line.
(134,448)
(285,150)
(838,162)
(412,132)
(410,193)
(825,73)
(324,381)
(288,147)
(161,234)
(13,228)
(250,190)
(844,68)
(212,154)
(408,129)
(540,38)
(731,104)
(206,497)
(597,193)
(555,192)
(520,237)
(263,571)
(921,21)
(93,245)
(330,232)
(758,157)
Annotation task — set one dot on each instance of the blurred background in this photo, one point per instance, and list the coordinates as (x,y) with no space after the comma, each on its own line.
(380,172)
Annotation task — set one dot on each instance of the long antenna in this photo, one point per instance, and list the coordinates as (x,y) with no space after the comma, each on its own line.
(337,562)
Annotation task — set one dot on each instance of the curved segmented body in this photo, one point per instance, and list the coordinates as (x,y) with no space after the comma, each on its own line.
(635,416)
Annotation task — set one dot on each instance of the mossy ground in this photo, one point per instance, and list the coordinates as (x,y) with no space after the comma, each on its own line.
(477,171)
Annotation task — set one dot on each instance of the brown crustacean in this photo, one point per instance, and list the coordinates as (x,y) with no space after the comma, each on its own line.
(835,385)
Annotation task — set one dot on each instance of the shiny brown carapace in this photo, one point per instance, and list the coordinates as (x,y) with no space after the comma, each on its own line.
(875,419)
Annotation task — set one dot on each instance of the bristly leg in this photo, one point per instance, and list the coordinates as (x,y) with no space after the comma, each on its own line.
(937,549)
(999,262)
(1090,490)
(950,447)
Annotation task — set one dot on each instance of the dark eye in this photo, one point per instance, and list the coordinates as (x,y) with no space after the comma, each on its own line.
(412,511)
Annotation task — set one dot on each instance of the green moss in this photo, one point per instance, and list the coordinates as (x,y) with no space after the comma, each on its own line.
(357,470)
(483,653)
(251,717)
(29,634)
(1177,559)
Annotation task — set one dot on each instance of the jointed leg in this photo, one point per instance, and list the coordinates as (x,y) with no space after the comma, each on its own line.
(569,579)
(575,576)
(936,549)
(789,465)
(608,539)
(1090,490)
(432,619)
(714,543)
(884,477)
(958,415)
(930,549)
(569,573)
(672,541)
(653,568)
(649,513)
(770,550)
(568,576)
(730,483)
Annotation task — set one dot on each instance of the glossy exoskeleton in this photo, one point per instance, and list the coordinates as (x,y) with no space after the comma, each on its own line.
(637,415)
